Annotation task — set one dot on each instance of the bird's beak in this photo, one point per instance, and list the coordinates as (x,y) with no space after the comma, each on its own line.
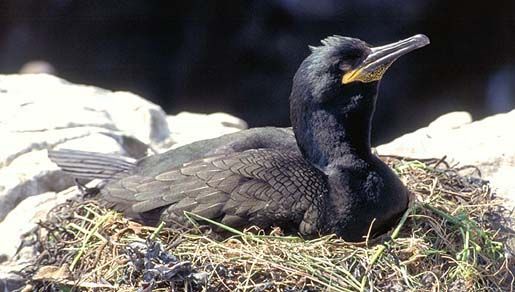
(380,58)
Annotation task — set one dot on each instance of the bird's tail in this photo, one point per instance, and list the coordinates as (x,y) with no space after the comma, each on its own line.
(91,165)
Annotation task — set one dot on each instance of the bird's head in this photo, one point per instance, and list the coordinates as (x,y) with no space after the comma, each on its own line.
(343,62)
(335,89)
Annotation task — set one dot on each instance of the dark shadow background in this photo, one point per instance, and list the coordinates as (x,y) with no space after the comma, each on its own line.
(239,56)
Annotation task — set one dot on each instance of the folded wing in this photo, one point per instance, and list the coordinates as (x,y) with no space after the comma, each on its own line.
(261,187)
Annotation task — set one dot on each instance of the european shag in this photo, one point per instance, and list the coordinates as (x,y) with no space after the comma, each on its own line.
(329,182)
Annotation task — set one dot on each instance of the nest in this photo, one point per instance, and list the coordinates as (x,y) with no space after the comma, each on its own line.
(450,238)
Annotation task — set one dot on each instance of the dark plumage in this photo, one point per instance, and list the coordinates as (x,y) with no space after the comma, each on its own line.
(330,183)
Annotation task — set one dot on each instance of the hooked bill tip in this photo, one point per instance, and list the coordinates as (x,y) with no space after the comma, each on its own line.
(421,39)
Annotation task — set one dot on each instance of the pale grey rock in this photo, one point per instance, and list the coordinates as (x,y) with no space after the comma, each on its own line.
(451,120)
(488,144)
(39,103)
(30,174)
(94,142)
(187,127)
(37,67)
(39,111)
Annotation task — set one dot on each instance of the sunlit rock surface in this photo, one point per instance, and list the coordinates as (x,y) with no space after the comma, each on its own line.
(40,111)
(190,127)
(488,144)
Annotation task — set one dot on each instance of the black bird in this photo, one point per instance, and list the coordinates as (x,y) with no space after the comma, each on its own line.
(330,183)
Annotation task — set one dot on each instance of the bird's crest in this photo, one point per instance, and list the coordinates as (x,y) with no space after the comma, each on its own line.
(336,40)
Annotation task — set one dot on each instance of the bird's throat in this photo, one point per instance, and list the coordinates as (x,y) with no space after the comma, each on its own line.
(334,132)
(333,140)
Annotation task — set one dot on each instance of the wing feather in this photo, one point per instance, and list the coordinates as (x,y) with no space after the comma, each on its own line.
(254,187)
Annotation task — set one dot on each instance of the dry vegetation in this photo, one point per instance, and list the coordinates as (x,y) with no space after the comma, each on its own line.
(450,238)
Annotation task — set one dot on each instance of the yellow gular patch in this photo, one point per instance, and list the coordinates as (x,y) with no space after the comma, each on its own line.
(363,75)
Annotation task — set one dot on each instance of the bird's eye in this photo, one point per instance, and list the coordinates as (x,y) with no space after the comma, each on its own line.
(344,66)
(350,61)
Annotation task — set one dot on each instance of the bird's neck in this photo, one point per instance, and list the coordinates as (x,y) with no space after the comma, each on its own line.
(335,133)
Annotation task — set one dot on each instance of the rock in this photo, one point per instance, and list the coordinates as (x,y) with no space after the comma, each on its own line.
(39,111)
(28,175)
(488,144)
(451,120)
(37,67)
(38,103)
(189,127)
